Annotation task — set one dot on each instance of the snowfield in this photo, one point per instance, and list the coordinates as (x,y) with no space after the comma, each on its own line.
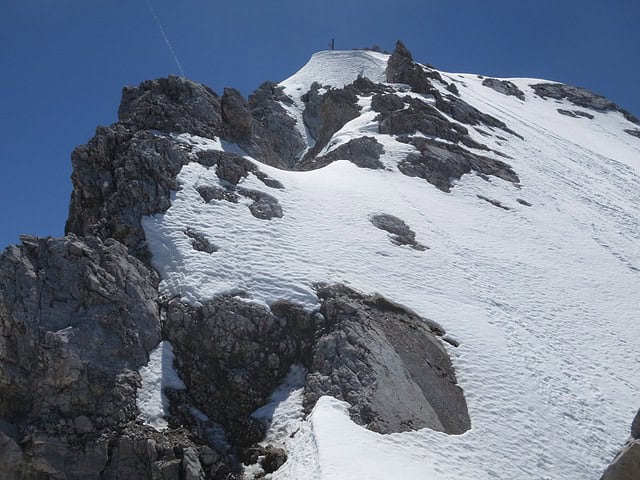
(544,299)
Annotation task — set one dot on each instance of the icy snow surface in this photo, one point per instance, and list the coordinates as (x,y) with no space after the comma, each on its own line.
(544,299)
(158,374)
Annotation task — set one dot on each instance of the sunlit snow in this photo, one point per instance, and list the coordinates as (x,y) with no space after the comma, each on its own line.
(543,299)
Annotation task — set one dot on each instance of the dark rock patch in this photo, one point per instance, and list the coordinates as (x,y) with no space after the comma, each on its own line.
(574,113)
(633,133)
(521,201)
(200,242)
(312,113)
(275,140)
(274,458)
(580,97)
(385,103)
(423,118)
(461,111)
(400,232)
(374,349)
(118,177)
(264,206)
(504,86)
(236,116)
(232,354)
(493,202)
(78,317)
(362,151)
(338,107)
(626,465)
(402,69)
(232,168)
(171,104)
(440,163)
(453,89)
(209,193)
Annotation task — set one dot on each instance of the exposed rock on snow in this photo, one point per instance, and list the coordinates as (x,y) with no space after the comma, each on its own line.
(575,113)
(633,132)
(364,152)
(504,86)
(580,97)
(439,163)
(402,69)
(374,349)
(401,233)
(118,177)
(171,104)
(626,465)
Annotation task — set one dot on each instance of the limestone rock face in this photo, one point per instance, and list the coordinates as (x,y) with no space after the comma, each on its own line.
(171,104)
(580,97)
(626,465)
(374,349)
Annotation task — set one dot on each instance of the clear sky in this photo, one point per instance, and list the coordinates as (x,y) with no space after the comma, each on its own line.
(63,63)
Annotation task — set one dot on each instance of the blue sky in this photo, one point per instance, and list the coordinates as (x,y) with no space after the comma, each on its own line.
(64,62)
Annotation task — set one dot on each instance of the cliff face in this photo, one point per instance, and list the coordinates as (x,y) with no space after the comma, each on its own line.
(224,228)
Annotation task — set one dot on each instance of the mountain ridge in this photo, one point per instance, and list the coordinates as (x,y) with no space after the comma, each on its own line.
(185,174)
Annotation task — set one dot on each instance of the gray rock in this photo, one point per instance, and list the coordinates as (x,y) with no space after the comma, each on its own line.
(504,86)
(373,349)
(423,118)
(633,132)
(402,69)
(312,113)
(465,113)
(274,458)
(118,177)
(75,316)
(338,107)
(522,201)
(386,103)
(236,116)
(635,426)
(275,140)
(574,113)
(493,202)
(209,193)
(223,354)
(264,206)
(439,163)
(200,242)
(171,104)
(400,232)
(580,97)
(363,151)
(626,465)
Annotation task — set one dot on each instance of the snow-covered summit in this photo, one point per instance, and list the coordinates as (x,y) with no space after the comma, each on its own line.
(374,269)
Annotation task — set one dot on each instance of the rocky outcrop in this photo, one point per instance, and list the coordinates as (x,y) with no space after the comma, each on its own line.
(338,107)
(574,113)
(439,163)
(275,139)
(238,122)
(633,132)
(118,177)
(626,465)
(364,152)
(504,87)
(401,233)
(371,350)
(581,97)
(232,354)
(171,104)
(77,319)
(402,69)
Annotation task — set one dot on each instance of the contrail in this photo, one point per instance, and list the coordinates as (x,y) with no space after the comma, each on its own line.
(166,39)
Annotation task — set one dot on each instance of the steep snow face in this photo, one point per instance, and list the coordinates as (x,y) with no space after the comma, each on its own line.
(542,295)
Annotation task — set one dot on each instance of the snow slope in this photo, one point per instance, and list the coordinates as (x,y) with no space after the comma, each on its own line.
(544,299)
